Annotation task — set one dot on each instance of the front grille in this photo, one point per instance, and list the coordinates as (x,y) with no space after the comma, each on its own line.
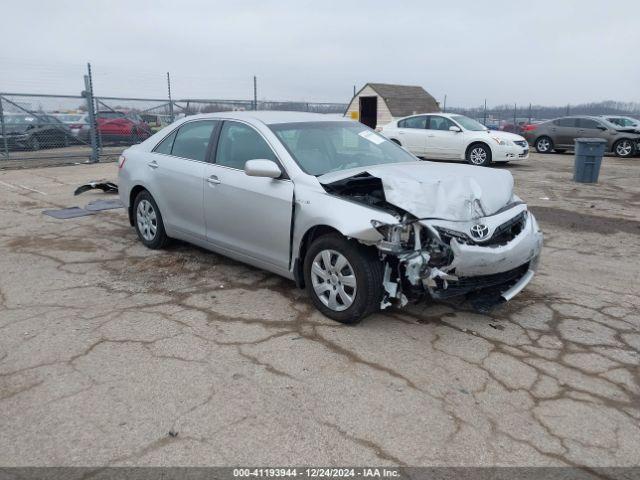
(507,231)
(501,236)
(520,143)
(481,282)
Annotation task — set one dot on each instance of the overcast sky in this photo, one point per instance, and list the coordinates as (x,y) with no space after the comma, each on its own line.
(545,52)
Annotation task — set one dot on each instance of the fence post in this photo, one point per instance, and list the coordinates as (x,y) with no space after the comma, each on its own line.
(485,112)
(170,101)
(4,136)
(255,93)
(93,129)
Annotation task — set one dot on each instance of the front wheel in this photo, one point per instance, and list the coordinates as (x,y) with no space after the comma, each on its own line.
(34,143)
(623,148)
(343,278)
(148,221)
(479,155)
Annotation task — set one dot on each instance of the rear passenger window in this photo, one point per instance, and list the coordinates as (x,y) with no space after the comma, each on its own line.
(165,145)
(238,143)
(588,123)
(192,140)
(413,122)
(566,122)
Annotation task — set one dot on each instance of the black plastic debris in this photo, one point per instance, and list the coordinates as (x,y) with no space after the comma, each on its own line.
(104,185)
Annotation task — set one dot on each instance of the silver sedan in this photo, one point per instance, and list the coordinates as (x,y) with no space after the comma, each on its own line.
(349,215)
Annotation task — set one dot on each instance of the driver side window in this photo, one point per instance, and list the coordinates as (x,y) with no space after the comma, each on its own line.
(440,123)
(239,143)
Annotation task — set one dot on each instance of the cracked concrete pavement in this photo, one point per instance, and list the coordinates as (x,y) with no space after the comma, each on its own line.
(106,346)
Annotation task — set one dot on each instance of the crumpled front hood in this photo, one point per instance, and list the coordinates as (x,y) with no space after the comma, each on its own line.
(438,190)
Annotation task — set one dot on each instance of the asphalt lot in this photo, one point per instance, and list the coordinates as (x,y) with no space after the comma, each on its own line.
(106,347)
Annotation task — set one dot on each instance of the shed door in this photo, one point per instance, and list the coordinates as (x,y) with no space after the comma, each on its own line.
(369,111)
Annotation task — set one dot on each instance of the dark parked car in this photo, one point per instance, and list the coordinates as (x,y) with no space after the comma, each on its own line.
(33,132)
(559,135)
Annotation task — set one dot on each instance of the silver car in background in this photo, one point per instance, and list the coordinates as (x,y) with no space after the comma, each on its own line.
(346,213)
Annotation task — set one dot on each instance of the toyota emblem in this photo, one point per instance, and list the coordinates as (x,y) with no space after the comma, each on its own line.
(479,231)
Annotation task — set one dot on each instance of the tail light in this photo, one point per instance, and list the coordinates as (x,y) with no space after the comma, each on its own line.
(121,161)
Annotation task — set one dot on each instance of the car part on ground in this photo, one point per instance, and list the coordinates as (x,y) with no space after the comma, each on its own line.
(358,221)
(104,185)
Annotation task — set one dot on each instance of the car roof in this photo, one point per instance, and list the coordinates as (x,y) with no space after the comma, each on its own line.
(270,117)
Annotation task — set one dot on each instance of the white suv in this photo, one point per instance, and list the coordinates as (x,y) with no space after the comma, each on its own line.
(455,137)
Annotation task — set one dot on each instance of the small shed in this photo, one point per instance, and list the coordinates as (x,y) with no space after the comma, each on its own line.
(377,104)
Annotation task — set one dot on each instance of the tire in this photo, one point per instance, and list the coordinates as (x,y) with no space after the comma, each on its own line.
(479,154)
(544,145)
(148,221)
(559,150)
(360,296)
(623,148)
(34,143)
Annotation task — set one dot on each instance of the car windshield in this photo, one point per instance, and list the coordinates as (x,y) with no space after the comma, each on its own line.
(19,119)
(323,147)
(468,123)
(70,118)
(622,121)
(111,114)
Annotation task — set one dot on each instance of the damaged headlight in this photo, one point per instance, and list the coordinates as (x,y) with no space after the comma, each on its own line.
(396,237)
(502,141)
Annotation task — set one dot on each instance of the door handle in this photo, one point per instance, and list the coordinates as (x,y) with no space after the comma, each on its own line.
(213,180)
(153,164)
(401,133)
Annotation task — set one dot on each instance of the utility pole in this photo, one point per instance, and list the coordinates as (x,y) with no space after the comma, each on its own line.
(444,107)
(568,109)
(255,93)
(515,114)
(93,130)
(529,112)
(170,100)
(354,91)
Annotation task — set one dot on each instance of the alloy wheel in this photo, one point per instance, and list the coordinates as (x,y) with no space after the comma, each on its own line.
(478,156)
(147,220)
(543,145)
(333,279)
(624,148)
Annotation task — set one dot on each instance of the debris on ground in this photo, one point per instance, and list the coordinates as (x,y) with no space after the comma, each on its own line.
(104,185)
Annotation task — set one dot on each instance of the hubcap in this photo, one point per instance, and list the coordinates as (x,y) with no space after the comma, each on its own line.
(543,145)
(478,155)
(147,220)
(333,280)
(624,148)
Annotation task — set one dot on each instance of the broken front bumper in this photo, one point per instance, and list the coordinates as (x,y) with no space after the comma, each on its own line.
(507,268)
(501,265)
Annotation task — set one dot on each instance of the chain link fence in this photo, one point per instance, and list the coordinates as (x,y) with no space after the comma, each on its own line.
(89,127)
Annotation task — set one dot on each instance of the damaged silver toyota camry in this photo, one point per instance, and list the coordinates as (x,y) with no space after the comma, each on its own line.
(349,215)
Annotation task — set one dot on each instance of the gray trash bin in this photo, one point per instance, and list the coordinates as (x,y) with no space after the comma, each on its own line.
(589,152)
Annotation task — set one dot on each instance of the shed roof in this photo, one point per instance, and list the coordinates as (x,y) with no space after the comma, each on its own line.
(404,100)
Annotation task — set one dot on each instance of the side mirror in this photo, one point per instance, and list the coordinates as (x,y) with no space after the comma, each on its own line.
(454,128)
(262,168)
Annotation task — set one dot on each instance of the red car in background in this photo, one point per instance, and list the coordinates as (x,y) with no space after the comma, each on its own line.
(122,127)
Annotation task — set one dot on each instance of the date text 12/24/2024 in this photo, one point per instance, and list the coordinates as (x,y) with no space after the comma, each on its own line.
(317,472)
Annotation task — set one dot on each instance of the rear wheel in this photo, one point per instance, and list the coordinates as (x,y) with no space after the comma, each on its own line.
(148,221)
(623,148)
(544,145)
(343,278)
(479,154)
